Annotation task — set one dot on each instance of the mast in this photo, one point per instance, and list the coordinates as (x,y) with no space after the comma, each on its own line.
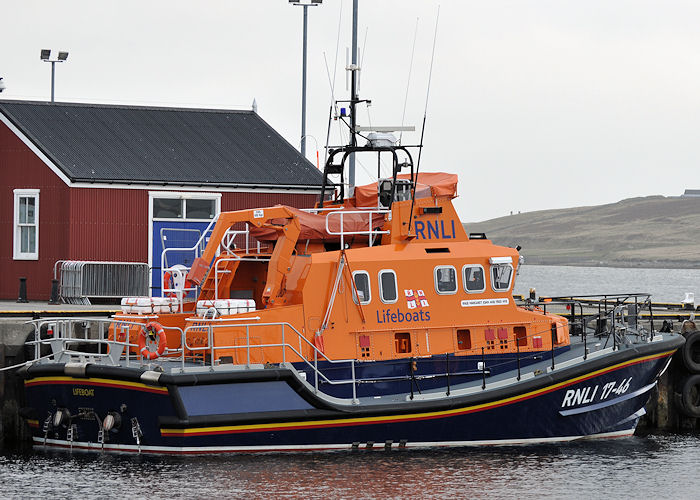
(353,100)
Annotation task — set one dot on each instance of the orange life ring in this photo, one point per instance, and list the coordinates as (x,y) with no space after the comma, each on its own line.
(152,328)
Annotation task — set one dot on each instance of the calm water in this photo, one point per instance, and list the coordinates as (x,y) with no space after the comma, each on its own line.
(658,466)
(665,285)
(655,466)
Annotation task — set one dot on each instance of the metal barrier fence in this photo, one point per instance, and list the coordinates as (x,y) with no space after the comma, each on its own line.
(81,280)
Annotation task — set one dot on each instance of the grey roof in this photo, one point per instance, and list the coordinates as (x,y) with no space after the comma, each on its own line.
(104,143)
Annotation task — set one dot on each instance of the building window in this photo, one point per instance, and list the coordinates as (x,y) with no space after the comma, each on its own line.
(388,291)
(167,208)
(361,279)
(200,208)
(184,207)
(501,275)
(26,224)
(445,280)
(473,277)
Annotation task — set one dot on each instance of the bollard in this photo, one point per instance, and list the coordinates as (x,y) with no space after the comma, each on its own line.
(54,292)
(22,291)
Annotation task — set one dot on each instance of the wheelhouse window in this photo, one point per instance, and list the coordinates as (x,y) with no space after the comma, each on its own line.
(26,224)
(361,288)
(501,275)
(388,291)
(473,278)
(445,280)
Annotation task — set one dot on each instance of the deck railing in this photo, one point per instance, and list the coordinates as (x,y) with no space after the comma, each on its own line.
(67,338)
(370,232)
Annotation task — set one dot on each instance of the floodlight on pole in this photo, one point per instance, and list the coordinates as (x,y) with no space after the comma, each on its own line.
(305,4)
(46,57)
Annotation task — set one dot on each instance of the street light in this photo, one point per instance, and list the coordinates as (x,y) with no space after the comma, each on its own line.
(46,57)
(305,4)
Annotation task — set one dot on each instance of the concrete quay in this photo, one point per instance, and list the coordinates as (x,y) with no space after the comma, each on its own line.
(14,331)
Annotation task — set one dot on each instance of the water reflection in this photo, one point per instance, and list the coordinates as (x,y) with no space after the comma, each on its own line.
(660,465)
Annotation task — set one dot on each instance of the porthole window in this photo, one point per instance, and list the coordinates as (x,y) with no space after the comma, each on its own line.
(361,288)
(388,291)
(473,278)
(445,280)
(501,275)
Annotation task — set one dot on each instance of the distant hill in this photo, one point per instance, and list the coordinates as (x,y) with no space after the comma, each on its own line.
(654,231)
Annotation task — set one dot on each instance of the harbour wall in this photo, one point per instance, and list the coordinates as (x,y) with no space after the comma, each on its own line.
(13,431)
(14,332)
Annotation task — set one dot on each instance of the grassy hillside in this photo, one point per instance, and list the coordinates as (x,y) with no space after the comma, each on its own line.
(654,231)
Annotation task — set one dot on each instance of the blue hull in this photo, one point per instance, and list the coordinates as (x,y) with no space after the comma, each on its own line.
(271,409)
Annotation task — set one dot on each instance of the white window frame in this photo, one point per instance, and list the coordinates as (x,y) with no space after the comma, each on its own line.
(464,280)
(354,286)
(17,253)
(381,288)
(435,279)
(183,197)
(510,281)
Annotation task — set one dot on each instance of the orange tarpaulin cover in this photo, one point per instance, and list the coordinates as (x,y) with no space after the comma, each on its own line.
(429,184)
(313,226)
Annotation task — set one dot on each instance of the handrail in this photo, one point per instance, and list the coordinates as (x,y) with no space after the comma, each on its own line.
(64,336)
(211,348)
(63,331)
(226,241)
(370,233)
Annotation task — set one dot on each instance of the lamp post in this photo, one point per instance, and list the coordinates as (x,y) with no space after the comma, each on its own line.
(305,4)
(46,57)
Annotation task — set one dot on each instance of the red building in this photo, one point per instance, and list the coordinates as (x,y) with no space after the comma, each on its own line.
(106,183)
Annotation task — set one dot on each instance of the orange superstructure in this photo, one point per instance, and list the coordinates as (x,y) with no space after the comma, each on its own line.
(392,291)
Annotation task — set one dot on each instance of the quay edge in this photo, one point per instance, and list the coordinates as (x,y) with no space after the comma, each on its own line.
(14,432)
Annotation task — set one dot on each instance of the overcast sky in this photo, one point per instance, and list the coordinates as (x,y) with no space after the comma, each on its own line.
(535,104)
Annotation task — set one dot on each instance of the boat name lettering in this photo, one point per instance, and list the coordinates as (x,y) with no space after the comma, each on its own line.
(484,302)
(585,395)
(429,230)
(81,391)
(389,316)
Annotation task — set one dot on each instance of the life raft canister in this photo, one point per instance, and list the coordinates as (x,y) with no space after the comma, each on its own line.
(155,331)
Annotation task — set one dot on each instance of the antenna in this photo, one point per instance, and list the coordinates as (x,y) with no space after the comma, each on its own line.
(408,82)
(425,114)
(332,82)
